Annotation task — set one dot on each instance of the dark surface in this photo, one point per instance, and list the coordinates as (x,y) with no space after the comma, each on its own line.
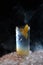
(12,15)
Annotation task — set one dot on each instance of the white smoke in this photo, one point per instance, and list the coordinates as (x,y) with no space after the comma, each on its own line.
(38,46)
(28,16)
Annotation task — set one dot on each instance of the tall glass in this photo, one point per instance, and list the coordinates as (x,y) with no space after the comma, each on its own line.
(22,41)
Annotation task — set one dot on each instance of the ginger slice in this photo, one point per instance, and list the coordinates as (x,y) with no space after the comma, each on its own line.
(25,30)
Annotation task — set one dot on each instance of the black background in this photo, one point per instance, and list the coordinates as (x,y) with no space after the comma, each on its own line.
(12,15)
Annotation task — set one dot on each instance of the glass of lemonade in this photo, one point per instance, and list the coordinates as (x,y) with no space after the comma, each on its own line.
(23,40)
